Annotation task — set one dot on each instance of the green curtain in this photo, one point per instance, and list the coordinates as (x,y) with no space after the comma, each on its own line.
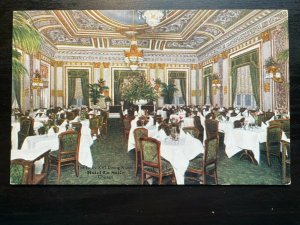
(85,89)
(71,90)
(210,89)
(204,89)
(183,89)
(207,78)
(248,59)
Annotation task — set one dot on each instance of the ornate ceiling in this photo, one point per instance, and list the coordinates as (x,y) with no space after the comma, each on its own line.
(180,31)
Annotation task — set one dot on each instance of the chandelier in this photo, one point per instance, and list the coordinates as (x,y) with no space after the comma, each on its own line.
(133,57)
(273,72)
(216,81)
(37,81)
(152,17)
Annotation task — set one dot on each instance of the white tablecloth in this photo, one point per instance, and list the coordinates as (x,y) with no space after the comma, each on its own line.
(187,121)
(162,113)
(46,142)
(178,154)
(239,139)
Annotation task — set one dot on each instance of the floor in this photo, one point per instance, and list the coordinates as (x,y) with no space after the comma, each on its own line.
(113,165)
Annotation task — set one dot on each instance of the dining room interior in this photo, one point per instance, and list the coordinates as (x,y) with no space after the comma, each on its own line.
(150,97)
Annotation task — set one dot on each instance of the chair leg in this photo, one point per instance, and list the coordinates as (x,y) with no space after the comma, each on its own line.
(216,176)
(268,157)
(143,177)
(160,179)
(58,173)
(136,161)
(204,176)
(77,168)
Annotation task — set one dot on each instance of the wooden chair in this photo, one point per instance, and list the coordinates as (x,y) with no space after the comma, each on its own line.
(259,119)
(198,125)
(94,125)
(286,161)
(67,154)
(77,126)
(70,115)
(26,129)
(127,127)
(104,125)
(211,128)
(237,124)
(23,171)
(269,115)
(204,164)
(274,134)
(151,161)
(138,133)
(192,131)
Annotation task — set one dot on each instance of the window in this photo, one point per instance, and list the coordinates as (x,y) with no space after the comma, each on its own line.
(244,94)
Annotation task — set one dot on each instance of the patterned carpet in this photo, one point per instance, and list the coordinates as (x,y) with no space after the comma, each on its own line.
(113,165)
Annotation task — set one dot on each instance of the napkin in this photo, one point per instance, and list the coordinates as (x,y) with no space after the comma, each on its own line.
(61,129)
(263,125)
(75,120)
(251,119)
(162,134)
(284,137)
(51,131)
(245,113)
(125,112)
(135,113)
(150,122)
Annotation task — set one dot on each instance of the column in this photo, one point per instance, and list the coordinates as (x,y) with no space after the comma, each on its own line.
(193,87)
(152,72)
(225,84)
(60,85)
(26,82)
(52,84)
(267,84)
(96,72)
(107,78)
(37,93)
(162,77)
(200,92)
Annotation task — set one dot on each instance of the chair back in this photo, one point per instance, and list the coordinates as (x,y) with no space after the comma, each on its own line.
(94,123)
(70,115)
(150,152)
(127,123)
(197,123)
(286,126)
(259,119)
(274,134)
(211,150)
(77,126)
(139,133)
(192,131)
(211,128)
(68,144)
(105,116)
(166,127)
(20,171)
(26,126)
(269,115)
(237,124)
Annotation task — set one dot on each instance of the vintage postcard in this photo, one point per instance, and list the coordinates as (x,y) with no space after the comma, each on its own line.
(150,97)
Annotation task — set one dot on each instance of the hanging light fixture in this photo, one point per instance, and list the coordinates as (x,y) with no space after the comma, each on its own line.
(216,83)
(133,57)
(273,72)
(152,17)
(37,81)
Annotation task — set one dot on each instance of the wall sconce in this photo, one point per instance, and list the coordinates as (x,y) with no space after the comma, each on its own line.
(272,69)
(37,82)
(216,83)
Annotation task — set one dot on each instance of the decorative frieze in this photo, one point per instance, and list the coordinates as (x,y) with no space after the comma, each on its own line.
(194,66)
(224,54)
(161,65)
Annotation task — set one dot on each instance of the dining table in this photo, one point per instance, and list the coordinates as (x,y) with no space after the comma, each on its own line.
(178,153)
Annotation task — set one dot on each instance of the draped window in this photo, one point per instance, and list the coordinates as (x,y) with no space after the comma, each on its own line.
(244,94)
(249,59)
(207,85)
(78,91)
(179,79)
(121,77)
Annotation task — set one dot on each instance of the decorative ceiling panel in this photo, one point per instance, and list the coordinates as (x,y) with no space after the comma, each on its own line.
(59,37)
(84,21)
(226,18)
(178,25)
(214,31)
(121,43)
(194,43)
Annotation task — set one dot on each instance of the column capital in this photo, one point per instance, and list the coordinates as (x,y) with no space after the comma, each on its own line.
(265,36)
(96,65)
(57,63)
(194,66)
(224,54)
(161,65)
(215,58)
(152,65)
(106,64)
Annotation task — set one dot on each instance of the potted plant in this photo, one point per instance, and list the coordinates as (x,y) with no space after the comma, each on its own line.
(138,91)
(168,91)
(96,92)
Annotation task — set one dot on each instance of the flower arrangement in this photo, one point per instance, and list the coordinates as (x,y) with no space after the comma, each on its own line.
(138,88)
